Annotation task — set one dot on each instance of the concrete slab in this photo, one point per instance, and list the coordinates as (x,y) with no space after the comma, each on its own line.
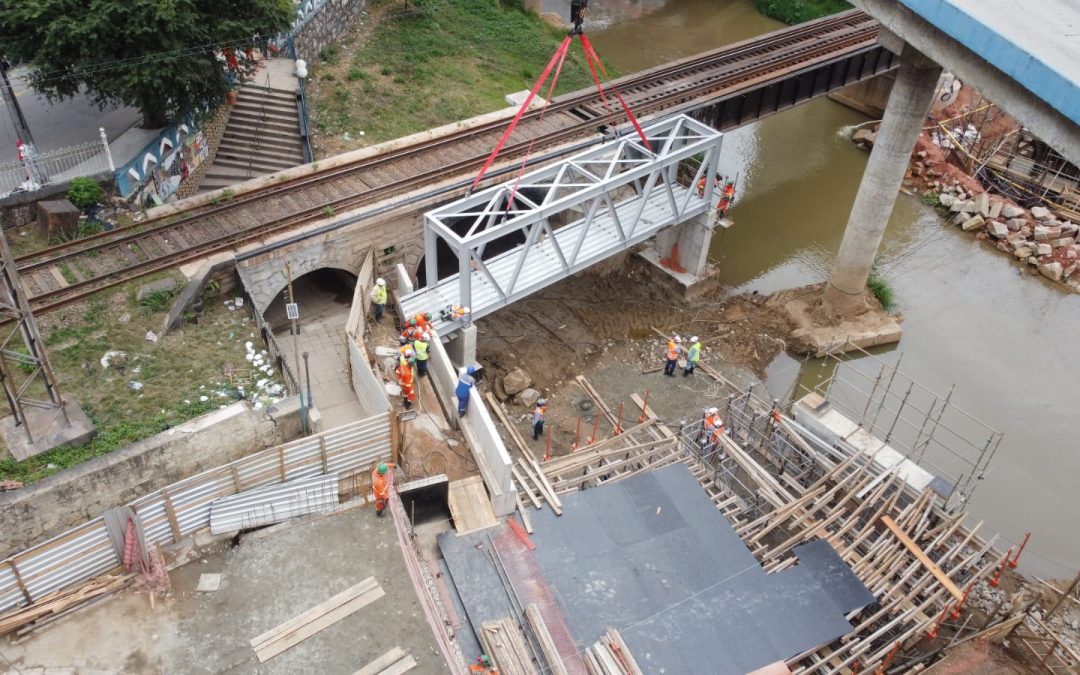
(264,582)
(280,73)
(51,429)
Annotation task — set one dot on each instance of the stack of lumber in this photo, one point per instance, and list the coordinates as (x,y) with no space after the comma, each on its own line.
(62,601)
(296,630)
(610,656)
(393,662)
(539,629)
(469,505)
(505,646)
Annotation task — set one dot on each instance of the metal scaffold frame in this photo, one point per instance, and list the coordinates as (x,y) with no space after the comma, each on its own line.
(572,214)
(928,428)
(22,350)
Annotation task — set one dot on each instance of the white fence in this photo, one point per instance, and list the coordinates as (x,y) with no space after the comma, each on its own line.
(182,508)
(55,166)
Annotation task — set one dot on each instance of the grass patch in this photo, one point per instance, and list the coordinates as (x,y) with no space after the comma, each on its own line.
(176,372)
(792,12)
(414,66)
(930,198)
(882,290)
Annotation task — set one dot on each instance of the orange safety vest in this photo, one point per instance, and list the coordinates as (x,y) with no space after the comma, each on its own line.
(421,322)
(672,350)
(379,485)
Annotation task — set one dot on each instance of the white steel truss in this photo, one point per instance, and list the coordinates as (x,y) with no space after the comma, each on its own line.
(567,216)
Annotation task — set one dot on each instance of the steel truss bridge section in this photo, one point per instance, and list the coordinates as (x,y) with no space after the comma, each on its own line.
(566,217)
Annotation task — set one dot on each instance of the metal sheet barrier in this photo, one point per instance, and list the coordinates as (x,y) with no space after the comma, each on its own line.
(180,509)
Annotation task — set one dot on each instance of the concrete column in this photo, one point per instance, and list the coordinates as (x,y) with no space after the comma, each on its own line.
(462,349)
(905,114)
(694,237)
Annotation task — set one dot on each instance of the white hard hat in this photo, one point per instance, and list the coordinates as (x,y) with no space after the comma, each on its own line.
(694,339)
(426,336)
(678,339)
(466,310)
(541,401)
(380,282)
(713,411)
(408,352)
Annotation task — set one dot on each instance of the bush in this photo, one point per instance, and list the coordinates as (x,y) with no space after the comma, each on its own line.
(797,11)
(84,192)
(882,290)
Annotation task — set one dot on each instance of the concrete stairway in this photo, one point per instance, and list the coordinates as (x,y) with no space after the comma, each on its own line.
(262,136)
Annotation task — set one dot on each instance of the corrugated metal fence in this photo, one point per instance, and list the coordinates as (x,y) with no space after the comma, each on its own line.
(182,508)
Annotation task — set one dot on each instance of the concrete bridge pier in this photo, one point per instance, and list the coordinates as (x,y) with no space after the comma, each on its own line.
(682,251)
(905,115)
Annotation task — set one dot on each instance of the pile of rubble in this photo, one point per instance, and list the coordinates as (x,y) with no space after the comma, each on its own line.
(1034,236)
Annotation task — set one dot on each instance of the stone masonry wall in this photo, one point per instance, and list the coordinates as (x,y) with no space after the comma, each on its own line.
(326,26)
(20,209)
(213,128)
(343,249)
(73,496)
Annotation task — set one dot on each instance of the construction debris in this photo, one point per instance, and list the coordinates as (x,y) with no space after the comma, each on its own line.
(296,630)
(58,602)
(610,656)
(504,644)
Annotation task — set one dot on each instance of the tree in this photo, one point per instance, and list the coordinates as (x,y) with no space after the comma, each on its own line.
(163,57)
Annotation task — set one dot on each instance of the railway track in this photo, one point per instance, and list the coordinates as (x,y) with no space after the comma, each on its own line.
(69,272)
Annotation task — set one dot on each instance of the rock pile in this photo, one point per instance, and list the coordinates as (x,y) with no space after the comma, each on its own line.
(1035,237)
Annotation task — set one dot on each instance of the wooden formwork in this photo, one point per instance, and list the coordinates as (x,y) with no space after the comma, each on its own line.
(915,557)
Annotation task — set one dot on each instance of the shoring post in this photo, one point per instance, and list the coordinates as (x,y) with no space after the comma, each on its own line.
(937,624)
(997,577)
(618,421)
(888,659)
(1067,593)
(577,436)
(644,407)
(1013,563)
(963,600)
(595,428)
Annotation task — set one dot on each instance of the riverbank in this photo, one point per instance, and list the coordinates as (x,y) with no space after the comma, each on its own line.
(406,67)
(799,11)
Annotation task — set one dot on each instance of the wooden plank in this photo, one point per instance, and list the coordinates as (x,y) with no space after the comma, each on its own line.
(289,640)
(546,484)
(318,610)
(525,486)
(390,662)
(170,512)
(541,485)
(929,564)
(525,520)
(469,505)
(595,396)
(514,434)
(554,662)
(505,645)
(640,402)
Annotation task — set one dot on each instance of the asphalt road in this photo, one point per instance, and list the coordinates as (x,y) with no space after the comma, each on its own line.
(69,122)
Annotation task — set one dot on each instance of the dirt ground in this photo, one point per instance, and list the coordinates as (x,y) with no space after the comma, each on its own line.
(600,324)
(266,580)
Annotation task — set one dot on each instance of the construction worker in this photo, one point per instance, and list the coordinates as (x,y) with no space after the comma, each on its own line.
(406,355)
(411,331)
(423,321)
(539,410)
(692,356)
(713,428)
(380,485)
(408,386)
(727,198)
(671,356)
(378,298)
(459,313)
(483,666)
(464,388)
(420,347)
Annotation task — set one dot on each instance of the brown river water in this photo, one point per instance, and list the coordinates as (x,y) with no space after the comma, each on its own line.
(1010,345)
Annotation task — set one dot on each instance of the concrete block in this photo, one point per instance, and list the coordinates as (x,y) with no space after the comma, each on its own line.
(1040,213)
(1043,249)
(972,223)
(50,430)
(997,230)
(995,208)
(1052,271)
(1012,211)
(1015,224)
(168,284)
(982,203)
(58,217)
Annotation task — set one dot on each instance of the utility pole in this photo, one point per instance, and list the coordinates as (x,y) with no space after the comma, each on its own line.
(17,118)
(290,311)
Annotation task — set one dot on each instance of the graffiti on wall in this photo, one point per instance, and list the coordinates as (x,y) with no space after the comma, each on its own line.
(155,174)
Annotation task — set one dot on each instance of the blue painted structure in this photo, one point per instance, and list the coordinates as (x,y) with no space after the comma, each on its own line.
(1037,43)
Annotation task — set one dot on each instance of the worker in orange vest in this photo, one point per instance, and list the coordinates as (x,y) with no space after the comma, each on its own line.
(713,428)
(411,331)
(727,199)
(671,356)
(408,386)
(483,666)
(423,321)
(380,485)
(538,418)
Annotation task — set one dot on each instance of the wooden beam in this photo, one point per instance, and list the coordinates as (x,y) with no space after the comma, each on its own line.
(929,564)
(511,431)
(393,661)
(554,661)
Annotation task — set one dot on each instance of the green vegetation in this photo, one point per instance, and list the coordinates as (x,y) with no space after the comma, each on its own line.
(84,192)
(798,11)
(423,63)
(882,290)
(175,372)
(930,198)
(157,301)
(159,57)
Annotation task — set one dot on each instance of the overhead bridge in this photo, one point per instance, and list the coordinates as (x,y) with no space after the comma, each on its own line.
(567,216)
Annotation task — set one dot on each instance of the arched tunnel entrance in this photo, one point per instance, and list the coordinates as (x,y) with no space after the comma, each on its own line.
(324,298)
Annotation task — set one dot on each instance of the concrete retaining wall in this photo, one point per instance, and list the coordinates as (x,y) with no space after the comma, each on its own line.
(20,209)
(73,496)
(324,26)
(213,129)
